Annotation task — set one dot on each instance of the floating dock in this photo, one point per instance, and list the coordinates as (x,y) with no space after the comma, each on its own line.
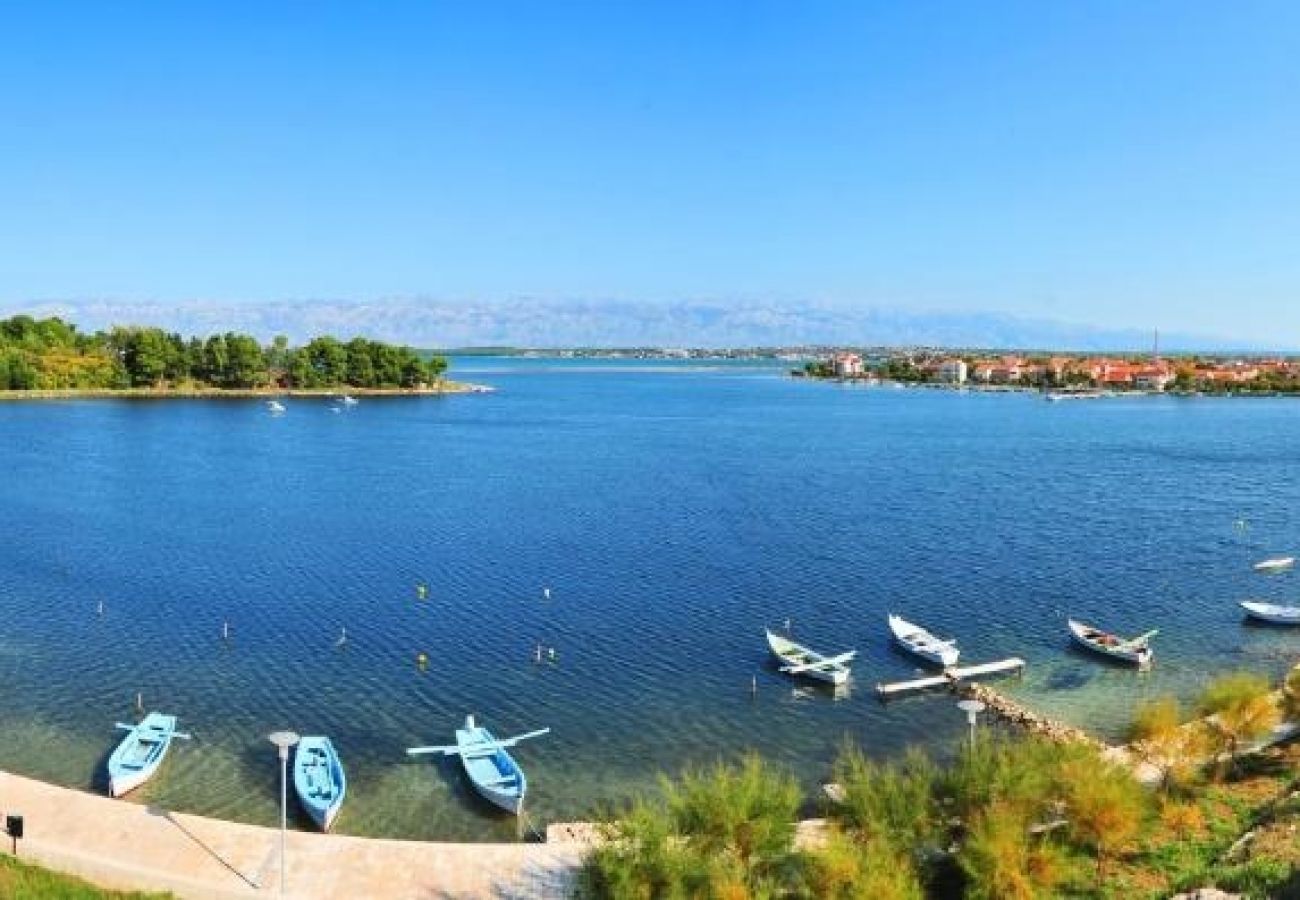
(951,677)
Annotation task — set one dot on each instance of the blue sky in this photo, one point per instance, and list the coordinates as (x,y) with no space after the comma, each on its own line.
(1113,163)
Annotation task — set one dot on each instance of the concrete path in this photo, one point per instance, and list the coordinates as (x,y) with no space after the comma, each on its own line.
(125,845)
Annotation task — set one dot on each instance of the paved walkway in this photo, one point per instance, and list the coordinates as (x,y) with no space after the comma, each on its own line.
(125,845)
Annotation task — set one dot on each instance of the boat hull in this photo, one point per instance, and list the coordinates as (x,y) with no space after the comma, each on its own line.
(1275,565)
(788,653)
(1272,613)
(495,775)
(1088,637)
(922,644)
(137,758)
(319,780)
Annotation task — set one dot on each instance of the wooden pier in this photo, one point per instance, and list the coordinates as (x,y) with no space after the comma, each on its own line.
(950,677)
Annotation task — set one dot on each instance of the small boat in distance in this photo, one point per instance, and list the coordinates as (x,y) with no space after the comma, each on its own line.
(319,780)
(348,401)
(141,752)
(919,642)
(1271,612)
(796,659)
(1276,564)
(1134,650)
(275,407)
(493,772)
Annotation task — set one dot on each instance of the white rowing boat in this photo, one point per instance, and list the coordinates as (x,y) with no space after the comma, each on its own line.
(1272,612)
(796,659)
(1133,650)
(1276,564)
(920,642)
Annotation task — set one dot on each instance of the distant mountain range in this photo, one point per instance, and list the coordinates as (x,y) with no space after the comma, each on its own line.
(595,323)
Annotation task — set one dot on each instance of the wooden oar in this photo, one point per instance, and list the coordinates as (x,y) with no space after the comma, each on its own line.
(177,734)
(456,749)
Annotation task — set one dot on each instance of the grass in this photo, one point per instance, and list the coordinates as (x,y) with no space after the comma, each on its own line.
(20,880)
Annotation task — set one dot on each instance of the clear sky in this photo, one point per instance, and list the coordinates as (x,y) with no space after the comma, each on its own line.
(1118,163)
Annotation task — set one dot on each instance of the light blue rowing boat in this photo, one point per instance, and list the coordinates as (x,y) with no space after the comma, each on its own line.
(141,752)
(493,772)
(319,780)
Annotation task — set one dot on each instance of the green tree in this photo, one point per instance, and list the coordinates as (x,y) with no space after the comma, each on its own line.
(361,368)
(1105,807)
(1239,709)
(891,802)
(245,362)
(1003,861)
(844,869)
(216,359)
(329,359)
(1162,740)
(1291,695)
(144,353)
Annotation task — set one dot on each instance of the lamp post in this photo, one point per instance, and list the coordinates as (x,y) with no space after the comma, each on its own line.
(972,709)
(283,740)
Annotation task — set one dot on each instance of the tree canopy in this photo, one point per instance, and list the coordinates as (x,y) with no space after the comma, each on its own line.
(53,354)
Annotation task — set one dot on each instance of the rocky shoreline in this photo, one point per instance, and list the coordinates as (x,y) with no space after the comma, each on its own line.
(1013,713)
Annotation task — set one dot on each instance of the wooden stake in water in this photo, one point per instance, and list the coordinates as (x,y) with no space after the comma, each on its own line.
(225,631)
(753,686)
(100,608)
(139,701)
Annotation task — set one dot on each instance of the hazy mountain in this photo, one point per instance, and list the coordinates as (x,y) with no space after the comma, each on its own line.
(596,323)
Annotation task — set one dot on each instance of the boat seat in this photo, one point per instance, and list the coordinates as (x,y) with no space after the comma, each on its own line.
(501,779)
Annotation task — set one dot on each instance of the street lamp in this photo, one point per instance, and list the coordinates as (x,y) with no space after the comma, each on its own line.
(284,740)
(972,709)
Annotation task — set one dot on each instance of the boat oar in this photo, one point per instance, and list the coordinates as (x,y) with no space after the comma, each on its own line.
(511,741)
(456,749)
(176,734)
(449,750)
(1141,639)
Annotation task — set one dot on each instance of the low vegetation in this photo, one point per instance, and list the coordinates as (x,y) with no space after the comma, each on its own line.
(50,354)
(1008,819)
(22,881)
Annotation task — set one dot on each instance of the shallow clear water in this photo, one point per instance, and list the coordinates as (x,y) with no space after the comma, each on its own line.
(672,509)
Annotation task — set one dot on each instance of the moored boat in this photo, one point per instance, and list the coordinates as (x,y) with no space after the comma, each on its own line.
(275,407)
(137,758)
(493,772)
(1272,612)
(920,642)
(1276,564)
(319,780)
(1132,650)
(796,659)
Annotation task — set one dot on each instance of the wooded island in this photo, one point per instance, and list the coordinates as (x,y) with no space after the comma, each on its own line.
(51,354)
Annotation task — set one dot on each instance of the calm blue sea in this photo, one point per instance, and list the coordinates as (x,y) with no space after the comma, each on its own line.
(672,509)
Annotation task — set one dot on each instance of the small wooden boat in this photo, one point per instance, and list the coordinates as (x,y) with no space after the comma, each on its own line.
(493,772)
(1276,564)
(141,752)
(319,780)
(1271,612)
(796,659)
(916,640)
(1133,650)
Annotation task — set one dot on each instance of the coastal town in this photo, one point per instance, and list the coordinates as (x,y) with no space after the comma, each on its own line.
(1151,373)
